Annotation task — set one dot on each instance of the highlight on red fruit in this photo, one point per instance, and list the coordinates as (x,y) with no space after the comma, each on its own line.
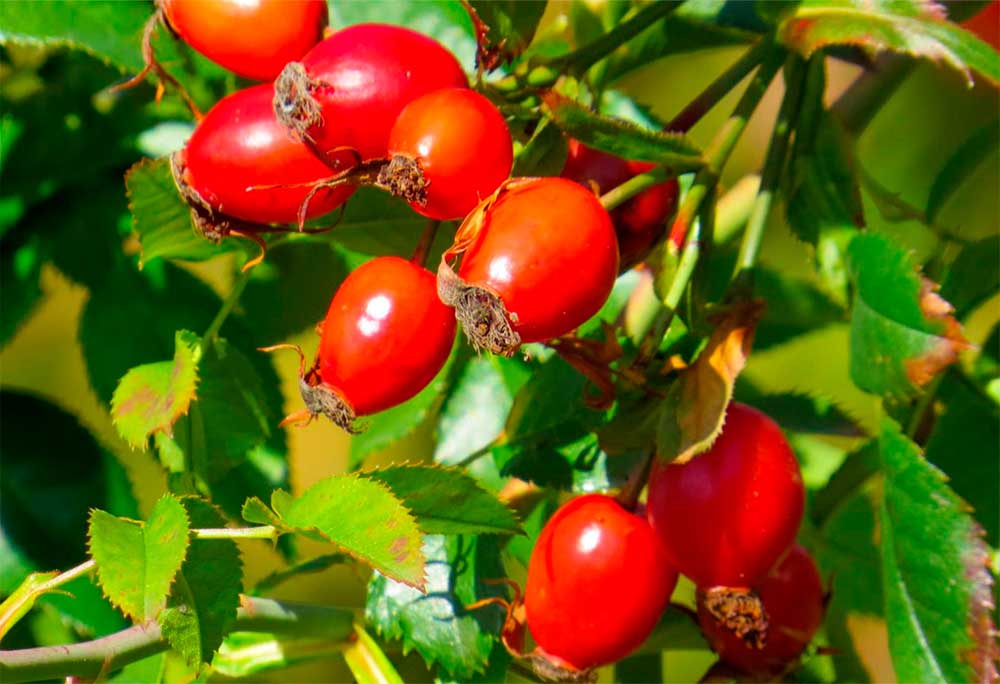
(351,87)
(727,515)
(598,581)
(641,221)
(795,601)
(242,163)
(463,147)
(252,38)
(540,258)
(385,336)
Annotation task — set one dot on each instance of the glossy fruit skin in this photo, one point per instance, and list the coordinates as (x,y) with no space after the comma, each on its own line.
(463,146)
(240,144)
(727,515)
(598,581)
(640,221)
(252,38)
(795,602)
(548,249)
(370,72)
(385,336)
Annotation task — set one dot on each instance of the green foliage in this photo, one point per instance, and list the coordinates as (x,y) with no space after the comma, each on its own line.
(937,587)
(512,24)
(205,595)
(982,143)
(137,562)
(436,623)
(446,500)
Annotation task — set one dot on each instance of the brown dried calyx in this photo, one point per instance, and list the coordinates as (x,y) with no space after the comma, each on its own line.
(319,397)
(481,311)
(740,611)
(294,105)
(547,668)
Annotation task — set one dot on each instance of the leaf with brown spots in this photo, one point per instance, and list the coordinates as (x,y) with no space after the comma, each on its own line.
(902,332)
(695,407)
(362,517)
(152,397)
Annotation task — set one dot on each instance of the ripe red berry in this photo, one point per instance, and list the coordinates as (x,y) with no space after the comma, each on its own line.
(793,596)
(349,89)
(385,336)
(727,515)
(548,250)
(253,38)
(240,145)
(598,580)
(640,221)
(462,144)
(986,24)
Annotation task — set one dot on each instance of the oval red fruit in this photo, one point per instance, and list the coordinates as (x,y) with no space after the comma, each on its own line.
(598,581)
(240,145)
(640,221)
(548,250)
(462,144)
(252,38)
(385,336)
(726,516)
(793,596)
(362,76)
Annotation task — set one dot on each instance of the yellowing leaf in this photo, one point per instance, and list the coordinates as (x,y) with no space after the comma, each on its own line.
(694,410)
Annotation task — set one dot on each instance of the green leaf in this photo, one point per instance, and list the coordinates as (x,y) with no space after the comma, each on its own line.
(973,277)
(111,31)
(799,412)
(622,138)
(919,29)
(202,606)
(388,427)
(446,500)
(54,472)
(21,261)
(161,218)
(512,24)
(544,154)
(979,146)
(794,307)
(436,623)
(291,290)
(278,577)
(84,608)
(137,562)
(937,588)
(363,518)
(152,397)
(967,420)
(476,410)
(902,333)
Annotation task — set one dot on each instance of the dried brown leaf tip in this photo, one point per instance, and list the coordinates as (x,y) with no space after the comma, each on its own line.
(922,369)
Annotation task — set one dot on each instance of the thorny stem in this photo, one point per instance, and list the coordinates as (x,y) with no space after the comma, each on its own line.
(774,164)
(426,241)
(239,284)
(717,89)
(100,656)
(583,58)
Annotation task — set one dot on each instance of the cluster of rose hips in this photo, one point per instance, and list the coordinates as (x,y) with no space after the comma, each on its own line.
(600,576)
(385,106)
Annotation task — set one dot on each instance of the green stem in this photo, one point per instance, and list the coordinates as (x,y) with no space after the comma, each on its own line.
(22,599)
(262,532)
(239,284)
(367,662)
(424,245)
(774,164)
(578,61)
(719,88)
(100,656)
(733,209)
(865,97)
(633,186)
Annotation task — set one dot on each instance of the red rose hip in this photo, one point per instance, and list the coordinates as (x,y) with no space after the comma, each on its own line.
(546,251)
(640,221)
(240,145)
(351,87)
(793,595)
(462,144)
(252,38)
(598,581)
(726,516)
